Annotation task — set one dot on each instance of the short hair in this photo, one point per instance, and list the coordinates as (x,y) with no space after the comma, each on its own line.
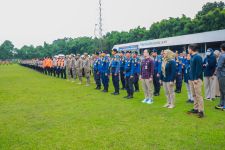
(193,47)
(222,46)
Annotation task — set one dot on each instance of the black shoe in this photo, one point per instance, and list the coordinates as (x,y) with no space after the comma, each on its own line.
(200,114)
(116,93)
(126,96)
(104,91)
(130,97)
(156,94)
(193,111)
(178,91)
(188,101)
(218,107)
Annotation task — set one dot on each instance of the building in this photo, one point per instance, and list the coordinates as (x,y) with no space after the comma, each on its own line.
(212,39)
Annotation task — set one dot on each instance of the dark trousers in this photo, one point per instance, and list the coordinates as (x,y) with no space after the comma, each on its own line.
(156,84)
(115,80)
(136,79)
(178,82)
(97,78)
(222,90)
(63,73)
(105,81)
(129,85)
(122,78)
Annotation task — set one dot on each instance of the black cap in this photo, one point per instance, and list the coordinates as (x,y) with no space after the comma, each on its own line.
(136,52)
(105,51)
(154,50)
(128,51)
(115,50)
(96,53)
(122,52)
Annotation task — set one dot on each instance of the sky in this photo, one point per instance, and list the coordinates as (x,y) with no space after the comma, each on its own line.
(26,22)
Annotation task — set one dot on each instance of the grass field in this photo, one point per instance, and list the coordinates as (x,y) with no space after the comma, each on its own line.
(42,112)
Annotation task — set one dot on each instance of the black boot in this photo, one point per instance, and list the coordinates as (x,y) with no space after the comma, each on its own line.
(200,114)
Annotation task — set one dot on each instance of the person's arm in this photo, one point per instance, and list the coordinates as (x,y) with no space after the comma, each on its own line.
(151,67)
(173,71)
(198,68)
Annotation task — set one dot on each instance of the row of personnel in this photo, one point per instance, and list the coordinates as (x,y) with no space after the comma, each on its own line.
(167,69)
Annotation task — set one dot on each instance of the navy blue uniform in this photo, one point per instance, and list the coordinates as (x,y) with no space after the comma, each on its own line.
(97,69)
(129,76)
(157,73)
(115,70)
(179,79)
(105,73)
(137,70)
(122,75)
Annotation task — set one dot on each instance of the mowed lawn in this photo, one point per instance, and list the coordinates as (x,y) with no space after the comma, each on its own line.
(42,112)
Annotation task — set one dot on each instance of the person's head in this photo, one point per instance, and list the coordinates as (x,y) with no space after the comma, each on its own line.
(177,53)
(188,56)
(168,54)
(128,53)
(135,54)
(96,55)
(217,53)
(121,53)
(209,52)
(222,47)
(146,53)
(154,53)
(193,48)
(114,51)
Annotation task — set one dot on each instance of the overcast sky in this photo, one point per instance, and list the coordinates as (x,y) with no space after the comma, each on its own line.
(35,21)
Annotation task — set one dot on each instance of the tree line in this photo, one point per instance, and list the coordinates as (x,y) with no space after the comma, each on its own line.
(210,17)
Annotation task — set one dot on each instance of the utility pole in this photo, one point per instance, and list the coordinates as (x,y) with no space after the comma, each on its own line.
(100,25)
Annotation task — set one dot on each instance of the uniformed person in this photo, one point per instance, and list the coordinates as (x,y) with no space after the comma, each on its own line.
(122,72)
(105,72)
(68,67)
(179,61)
(87,68)
(79,67)
(97,68)
(115,71)
(137,70)
(157,71)
(129,75)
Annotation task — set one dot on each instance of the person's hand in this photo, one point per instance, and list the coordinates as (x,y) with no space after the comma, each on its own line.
(158,75)
(195,81)
(131,76)
(178,73)
(106,74)
(150,78)
(115,74)
(212,78)
(171,83)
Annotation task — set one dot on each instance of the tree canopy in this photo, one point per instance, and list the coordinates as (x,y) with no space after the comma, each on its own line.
(210,17)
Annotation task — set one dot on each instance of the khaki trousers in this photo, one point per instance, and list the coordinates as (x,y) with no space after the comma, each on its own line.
(196,90)
(147,86)
(209,83)
(170,94)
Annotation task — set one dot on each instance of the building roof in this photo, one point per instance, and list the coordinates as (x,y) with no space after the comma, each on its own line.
(205,37)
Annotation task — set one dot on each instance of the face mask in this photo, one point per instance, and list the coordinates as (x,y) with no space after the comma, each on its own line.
(208,53)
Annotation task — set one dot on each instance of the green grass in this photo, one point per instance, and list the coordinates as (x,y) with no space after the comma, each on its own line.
(42,112)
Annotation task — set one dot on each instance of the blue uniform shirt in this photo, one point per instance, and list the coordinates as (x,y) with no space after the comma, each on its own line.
(137,65)
(129,67)
(157,64)
(115,65)
(122,63)
(97,65)
(105,65)
(179,64)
